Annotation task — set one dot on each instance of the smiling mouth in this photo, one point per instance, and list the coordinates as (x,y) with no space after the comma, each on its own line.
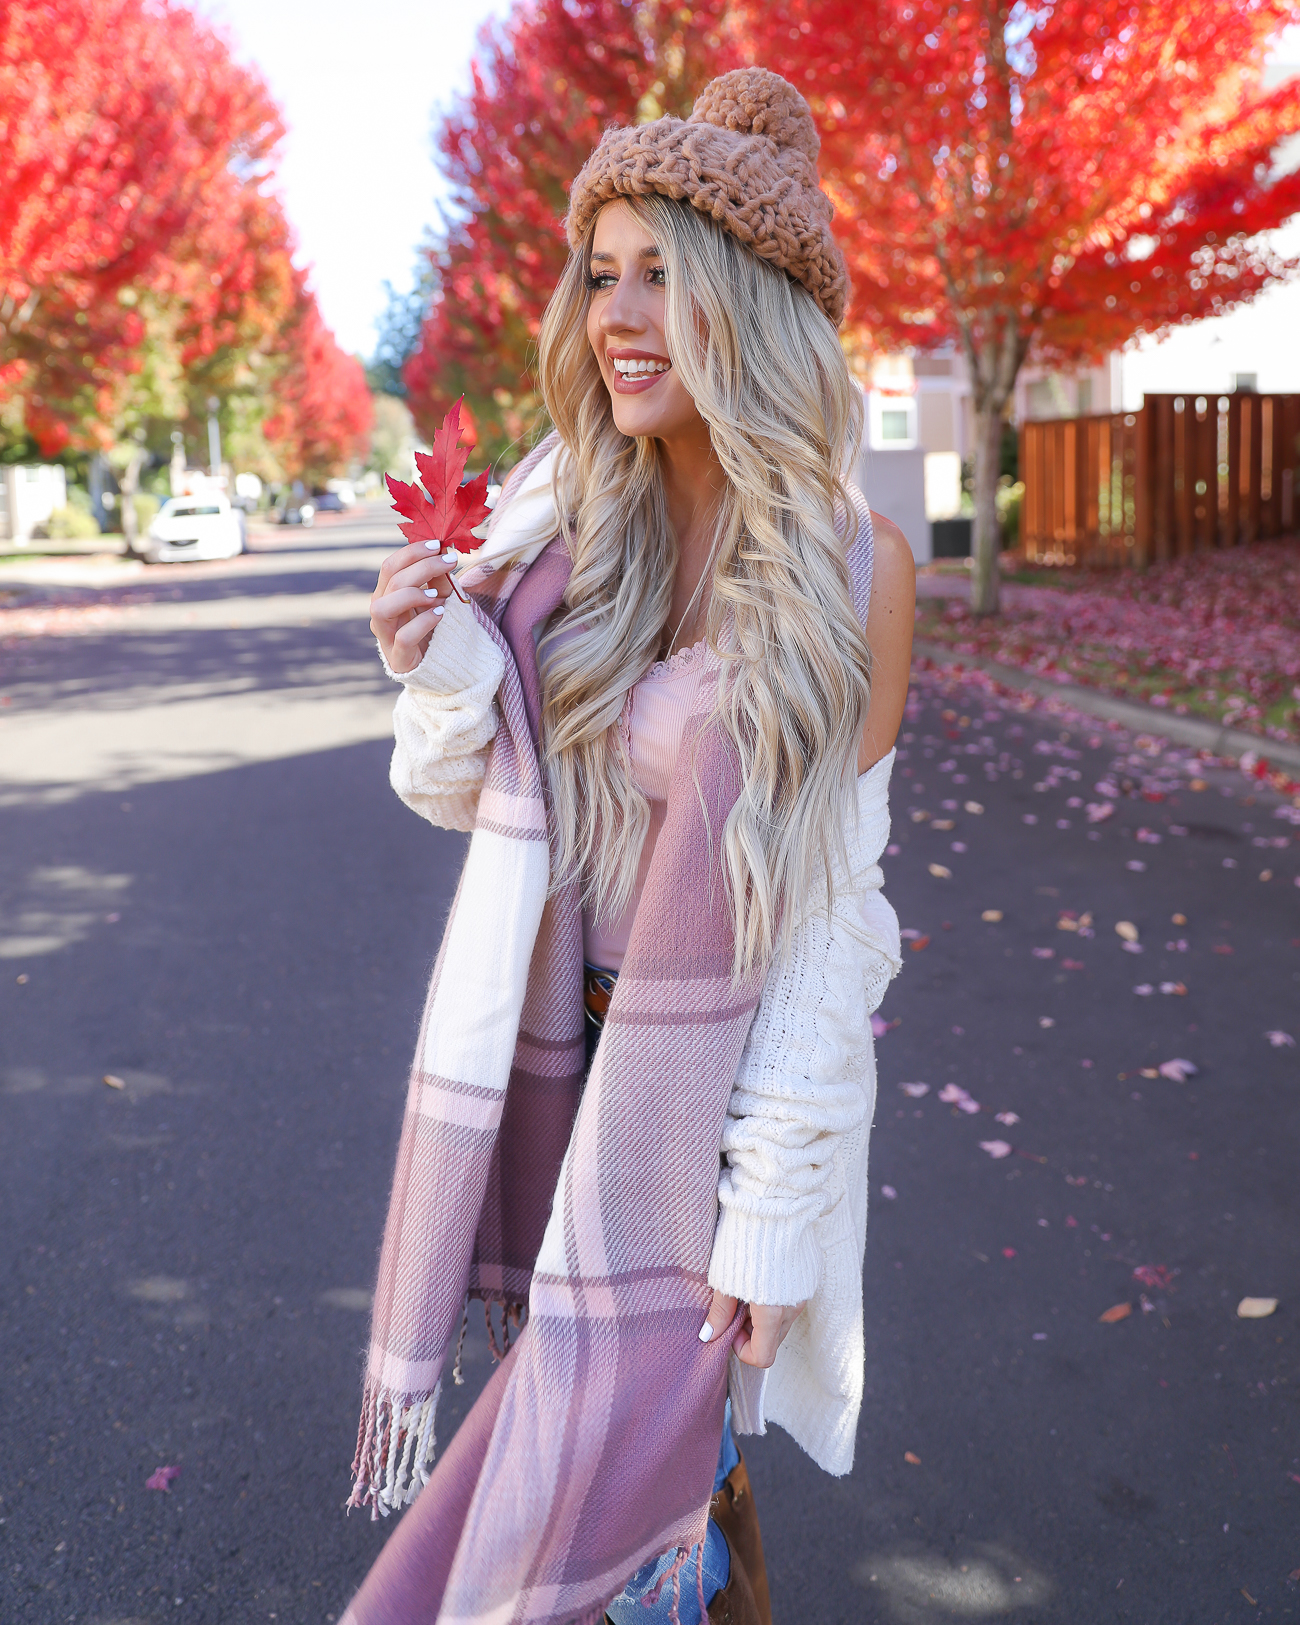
(635,374)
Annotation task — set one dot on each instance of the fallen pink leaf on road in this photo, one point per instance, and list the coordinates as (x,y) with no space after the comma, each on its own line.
(1008,1119)
(161,1479)
(1008,1252)
(997,1149)
(1117,1311)
(1127,930)
(1144,990)
(1177,1070)
(1157,1276)
(1256,1308)
(1043,953)
(1280,1040)
(916,1090)
(888,1192)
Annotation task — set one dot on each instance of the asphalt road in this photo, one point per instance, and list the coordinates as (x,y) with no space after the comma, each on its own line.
(210,894)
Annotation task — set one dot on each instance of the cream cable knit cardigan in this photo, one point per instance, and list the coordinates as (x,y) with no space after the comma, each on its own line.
(793,1190)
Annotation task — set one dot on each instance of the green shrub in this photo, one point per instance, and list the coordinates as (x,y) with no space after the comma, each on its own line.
(146,506)
(68,525)
(1011,494)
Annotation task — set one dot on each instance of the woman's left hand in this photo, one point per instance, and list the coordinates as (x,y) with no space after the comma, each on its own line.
(762,1333)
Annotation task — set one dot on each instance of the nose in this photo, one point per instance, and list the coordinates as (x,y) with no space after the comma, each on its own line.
(619,312)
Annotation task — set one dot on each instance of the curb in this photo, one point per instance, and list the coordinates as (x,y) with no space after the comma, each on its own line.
(1211,736)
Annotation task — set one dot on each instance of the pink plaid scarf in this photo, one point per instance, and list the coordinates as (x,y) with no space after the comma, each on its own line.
(595,1208)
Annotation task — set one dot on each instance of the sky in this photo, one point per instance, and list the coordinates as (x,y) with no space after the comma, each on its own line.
(359,84)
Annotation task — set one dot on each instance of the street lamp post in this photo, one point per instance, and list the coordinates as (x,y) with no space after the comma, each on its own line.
(214,437)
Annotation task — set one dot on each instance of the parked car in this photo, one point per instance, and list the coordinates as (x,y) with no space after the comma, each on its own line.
(296,512)
(198,527)
(329,502)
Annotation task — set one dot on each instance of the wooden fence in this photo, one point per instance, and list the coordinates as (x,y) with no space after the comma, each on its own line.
(1185,473)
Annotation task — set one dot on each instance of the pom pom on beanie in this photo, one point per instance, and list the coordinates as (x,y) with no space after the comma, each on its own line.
(746,156)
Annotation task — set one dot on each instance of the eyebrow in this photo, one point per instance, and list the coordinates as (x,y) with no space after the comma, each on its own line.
(651,253)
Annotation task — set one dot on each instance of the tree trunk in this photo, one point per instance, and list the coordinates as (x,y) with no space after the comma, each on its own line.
(127,488)
(987,540)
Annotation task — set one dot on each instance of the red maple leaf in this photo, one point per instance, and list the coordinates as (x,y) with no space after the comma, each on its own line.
(438,508)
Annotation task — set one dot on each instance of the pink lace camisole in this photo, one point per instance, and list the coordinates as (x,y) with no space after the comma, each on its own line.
(653,719)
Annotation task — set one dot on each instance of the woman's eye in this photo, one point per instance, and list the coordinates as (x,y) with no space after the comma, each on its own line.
(601,279)
(659,276)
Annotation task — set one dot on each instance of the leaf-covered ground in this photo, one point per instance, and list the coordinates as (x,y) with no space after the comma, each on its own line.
(1216,635)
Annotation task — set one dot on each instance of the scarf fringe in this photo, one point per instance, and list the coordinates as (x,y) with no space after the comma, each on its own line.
(395,1452)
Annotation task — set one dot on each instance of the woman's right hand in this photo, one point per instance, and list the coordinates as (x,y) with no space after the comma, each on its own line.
(408,600)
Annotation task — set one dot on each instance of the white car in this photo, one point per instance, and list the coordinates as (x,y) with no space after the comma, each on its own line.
(199,527)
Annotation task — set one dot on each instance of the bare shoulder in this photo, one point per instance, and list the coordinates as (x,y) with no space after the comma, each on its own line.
(891,616)
(893,554)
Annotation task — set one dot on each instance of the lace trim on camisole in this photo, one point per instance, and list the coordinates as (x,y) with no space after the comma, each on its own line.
(678,661)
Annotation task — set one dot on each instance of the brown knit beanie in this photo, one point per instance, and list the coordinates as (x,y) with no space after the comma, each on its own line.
(747,156)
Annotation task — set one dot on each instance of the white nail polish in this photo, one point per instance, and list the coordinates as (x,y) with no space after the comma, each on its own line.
(706,1333)
(429,592)
(434,547)
(451,555)
(440,610)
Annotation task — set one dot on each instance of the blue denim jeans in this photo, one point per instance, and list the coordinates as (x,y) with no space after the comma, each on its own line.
(630,1608)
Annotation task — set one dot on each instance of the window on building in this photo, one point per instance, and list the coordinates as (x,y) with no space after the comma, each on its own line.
(895,425)
(892,421)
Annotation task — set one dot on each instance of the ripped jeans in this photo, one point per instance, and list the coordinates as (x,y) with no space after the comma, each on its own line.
(630,1607)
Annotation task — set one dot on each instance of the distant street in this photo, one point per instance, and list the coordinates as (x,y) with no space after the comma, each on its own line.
(210,897)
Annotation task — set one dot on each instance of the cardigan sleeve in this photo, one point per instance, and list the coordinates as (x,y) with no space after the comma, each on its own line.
(445,720)
(799,1088)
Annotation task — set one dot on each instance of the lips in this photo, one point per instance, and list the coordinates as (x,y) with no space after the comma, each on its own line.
(633,372)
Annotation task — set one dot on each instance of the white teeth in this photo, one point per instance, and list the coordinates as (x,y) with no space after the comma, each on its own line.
(638,369)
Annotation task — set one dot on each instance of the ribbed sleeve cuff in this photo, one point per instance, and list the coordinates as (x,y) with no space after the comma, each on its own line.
(460,654)
(763,1259)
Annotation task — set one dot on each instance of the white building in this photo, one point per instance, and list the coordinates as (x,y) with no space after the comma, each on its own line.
(29,494)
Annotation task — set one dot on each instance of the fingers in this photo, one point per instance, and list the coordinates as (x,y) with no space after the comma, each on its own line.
(764,1332)
(411,639)
(722,1311)
(414,556)
(397,605)
(414,571)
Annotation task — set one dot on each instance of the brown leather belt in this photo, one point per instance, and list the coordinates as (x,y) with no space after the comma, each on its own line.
(597,991)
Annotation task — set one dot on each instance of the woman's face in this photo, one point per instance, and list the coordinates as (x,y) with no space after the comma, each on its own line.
(625,326)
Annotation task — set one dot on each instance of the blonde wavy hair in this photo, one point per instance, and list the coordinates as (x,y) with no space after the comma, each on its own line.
(767,374)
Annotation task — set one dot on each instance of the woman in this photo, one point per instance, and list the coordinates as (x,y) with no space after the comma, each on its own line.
(644,1078)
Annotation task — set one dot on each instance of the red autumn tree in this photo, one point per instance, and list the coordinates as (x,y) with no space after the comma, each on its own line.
(1045,181)
(323,408)
(143,264)
(123,125)
(546,85)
